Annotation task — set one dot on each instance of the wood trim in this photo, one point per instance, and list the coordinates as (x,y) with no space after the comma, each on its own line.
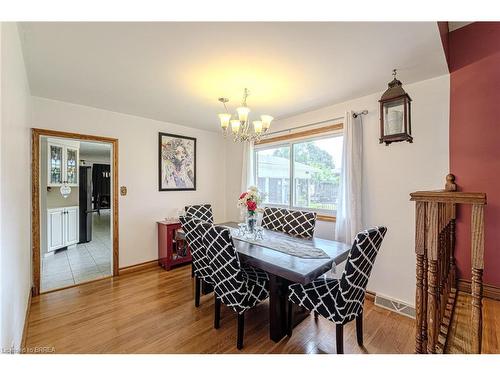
(26,321)
(302,134)
(328,218)
(489,291)
(443,196)
(116,229)
(36,133)
(139,267)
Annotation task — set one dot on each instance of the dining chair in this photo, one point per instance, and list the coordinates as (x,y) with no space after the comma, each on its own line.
(200,211)
(237,286)
(341,300)
(272,218)
(299,223)
(200,263)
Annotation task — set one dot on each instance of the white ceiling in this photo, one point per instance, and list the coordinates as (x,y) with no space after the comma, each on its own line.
(176,71)
(98,150)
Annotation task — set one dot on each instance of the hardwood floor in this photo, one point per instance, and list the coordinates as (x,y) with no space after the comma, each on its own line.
(152,311)
(461,328)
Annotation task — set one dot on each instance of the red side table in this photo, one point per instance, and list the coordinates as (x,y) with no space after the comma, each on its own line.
(172,251)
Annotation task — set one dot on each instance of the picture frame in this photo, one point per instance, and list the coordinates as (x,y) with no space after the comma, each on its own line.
(176,162)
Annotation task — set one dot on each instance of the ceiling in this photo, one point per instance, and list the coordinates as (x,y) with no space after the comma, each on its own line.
(98,150)
(175,72)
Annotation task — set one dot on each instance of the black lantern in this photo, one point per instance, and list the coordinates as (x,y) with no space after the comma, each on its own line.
(395,113)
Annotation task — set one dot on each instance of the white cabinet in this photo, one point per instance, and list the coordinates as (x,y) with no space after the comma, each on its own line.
(72,230)
(63,161)
(62,227)
(55,225)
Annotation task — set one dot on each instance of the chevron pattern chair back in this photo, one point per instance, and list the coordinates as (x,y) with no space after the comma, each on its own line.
(201,264)
(225,265)
(235,286)
(200,211)
(299,223)
(272,218)
(352,286)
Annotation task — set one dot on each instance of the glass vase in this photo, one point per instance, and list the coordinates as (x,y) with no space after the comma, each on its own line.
(251,221)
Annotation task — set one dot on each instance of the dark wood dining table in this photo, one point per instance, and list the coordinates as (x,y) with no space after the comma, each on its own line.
(284,269)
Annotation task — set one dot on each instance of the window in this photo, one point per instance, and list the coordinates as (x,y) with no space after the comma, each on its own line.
(311,164)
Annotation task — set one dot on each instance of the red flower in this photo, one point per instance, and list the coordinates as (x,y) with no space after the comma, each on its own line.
(251,205)
(243,195)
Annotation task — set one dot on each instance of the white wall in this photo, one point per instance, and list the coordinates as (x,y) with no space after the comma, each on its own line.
(390,173)
(15,195)
(138,169)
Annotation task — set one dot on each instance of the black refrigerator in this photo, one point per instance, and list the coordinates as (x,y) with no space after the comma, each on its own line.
(85,204)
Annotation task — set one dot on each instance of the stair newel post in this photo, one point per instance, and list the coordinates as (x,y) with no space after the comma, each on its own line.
(477,256)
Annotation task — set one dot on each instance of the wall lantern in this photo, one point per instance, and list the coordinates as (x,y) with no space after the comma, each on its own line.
(395,113)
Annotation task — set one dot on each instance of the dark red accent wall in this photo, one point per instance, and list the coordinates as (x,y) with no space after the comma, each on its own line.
(474,52)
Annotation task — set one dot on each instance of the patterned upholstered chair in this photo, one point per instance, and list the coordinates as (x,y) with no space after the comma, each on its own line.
(272,218)
(236,286)
(299,223)
(341,300)
(200,211)
(200,266)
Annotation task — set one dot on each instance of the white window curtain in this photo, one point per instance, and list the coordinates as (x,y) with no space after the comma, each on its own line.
(349,222)
(247,171)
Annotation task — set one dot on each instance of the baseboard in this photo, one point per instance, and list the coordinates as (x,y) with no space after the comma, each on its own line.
(370,296)
(138,267)
(392,304)
(489,291)
(26,321)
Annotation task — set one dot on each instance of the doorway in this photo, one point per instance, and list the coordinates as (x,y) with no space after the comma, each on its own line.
(75,209)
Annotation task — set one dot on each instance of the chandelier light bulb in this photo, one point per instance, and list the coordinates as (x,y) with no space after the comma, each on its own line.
(266,121)
(257,127)
(243,113)
(224,120)
(235,126)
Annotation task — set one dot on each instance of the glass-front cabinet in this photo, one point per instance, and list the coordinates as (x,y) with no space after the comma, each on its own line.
(71,164)
(63,161)
(55,164)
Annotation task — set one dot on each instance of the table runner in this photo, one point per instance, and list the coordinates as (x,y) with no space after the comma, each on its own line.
(283,243)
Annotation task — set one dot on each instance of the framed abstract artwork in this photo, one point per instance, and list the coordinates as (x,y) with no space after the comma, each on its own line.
(176,162)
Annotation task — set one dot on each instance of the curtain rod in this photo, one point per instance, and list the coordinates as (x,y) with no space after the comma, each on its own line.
(355,114)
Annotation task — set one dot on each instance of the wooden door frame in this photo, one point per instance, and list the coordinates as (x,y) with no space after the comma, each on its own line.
(35,195)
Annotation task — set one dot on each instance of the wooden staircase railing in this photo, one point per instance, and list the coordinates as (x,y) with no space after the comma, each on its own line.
(436,271)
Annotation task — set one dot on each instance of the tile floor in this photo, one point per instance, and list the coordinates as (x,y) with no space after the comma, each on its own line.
(81,262)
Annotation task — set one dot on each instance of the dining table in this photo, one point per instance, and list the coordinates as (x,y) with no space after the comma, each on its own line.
(285,269)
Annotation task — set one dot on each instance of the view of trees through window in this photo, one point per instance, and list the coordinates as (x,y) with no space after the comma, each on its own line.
(316,173)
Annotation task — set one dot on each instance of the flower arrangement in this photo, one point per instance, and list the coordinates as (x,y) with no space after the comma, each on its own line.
(250,200)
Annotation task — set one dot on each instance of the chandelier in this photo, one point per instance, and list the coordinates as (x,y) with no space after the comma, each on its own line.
(240,127)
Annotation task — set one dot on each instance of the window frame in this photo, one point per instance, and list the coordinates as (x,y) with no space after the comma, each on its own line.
(289,141)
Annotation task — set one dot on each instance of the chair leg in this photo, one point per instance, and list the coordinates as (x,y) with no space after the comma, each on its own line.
(359,329)
(316,315)
(289,320)
(241,328)
(217,313)
(197,282)
(340,338)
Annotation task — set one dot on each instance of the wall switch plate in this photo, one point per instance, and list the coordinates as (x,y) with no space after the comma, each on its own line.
(123,190)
